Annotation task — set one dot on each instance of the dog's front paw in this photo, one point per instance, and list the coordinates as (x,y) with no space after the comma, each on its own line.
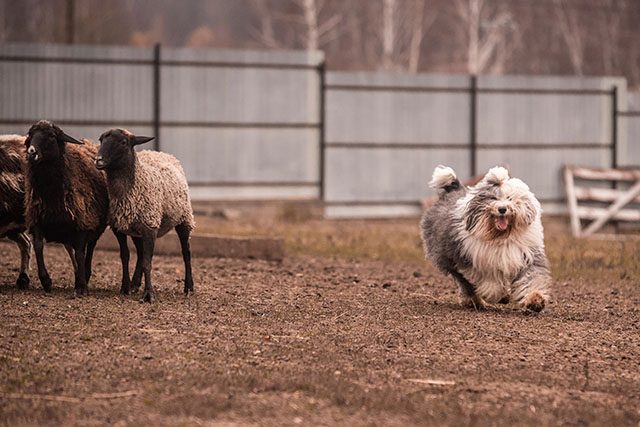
(474,302)
(535,301)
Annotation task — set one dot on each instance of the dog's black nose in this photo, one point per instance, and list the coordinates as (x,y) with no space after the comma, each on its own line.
(502,210)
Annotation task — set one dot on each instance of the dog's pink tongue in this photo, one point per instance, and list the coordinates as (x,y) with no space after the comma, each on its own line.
(502,222)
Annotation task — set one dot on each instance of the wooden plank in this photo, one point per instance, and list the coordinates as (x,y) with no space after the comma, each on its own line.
(588,212)
(572,202)
(624,199)
(599,194)
(605,174)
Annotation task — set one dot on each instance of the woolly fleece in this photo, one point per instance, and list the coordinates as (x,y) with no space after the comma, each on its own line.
(159,197)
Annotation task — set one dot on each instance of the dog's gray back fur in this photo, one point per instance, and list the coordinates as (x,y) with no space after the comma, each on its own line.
(439,235)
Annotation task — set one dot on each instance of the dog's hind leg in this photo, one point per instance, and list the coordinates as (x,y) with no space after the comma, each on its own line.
(468,295)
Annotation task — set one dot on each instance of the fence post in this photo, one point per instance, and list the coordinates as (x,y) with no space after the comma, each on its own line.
(614,127)
(473,123)
(156,96)
(321,135)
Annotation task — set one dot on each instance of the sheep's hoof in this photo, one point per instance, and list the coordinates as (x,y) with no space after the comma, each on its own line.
(23,281)
(82,292)
(125,289)
(46,283)
(147,296)
(188,289)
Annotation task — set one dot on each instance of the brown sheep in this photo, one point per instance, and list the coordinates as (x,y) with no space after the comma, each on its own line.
(12,201)
(66,199)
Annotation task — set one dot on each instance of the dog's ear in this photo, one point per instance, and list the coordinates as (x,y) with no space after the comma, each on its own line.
(530,211)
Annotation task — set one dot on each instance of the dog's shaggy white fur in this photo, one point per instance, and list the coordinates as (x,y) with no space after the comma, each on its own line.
(489,238)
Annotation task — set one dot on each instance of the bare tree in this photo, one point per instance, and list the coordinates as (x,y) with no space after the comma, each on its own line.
(415,47)
(4,32)
(486,28)
(359,41)
(389,10)
(634,69)
(321,20)
(403,30)
(572,33)
(265,34)
(314,22)
(310,12)
(610,33)
(69,21)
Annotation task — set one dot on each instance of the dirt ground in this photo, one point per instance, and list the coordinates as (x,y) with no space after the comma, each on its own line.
(353,340)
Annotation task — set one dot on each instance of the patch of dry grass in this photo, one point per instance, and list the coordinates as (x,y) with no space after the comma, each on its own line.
(396,240)
(591,260)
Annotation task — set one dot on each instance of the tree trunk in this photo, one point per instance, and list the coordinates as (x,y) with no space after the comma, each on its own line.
(474,36)
(416,37)
(311,19)
(388,33)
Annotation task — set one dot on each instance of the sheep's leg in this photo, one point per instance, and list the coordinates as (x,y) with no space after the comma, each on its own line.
(24,243)
(72,257)
(148,243)
(125,288)
(88,258)
(43,274)
(136,281)
(183,233)
(80,248)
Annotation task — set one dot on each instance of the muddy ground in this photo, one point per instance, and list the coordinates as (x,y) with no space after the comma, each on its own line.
(320,340)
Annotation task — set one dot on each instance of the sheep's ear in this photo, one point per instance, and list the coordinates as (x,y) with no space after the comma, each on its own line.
(67,138)
(60,135)
(141,139)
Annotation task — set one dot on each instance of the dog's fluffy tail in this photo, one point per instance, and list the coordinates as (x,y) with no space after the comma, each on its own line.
(445,178)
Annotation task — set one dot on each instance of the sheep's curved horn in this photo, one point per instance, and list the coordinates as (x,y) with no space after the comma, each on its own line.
(71,139)
(142,139)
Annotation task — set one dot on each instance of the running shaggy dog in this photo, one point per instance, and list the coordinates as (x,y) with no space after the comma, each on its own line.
(489,238)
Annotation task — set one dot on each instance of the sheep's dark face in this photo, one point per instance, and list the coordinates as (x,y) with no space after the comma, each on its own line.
(117,149)
(45,142)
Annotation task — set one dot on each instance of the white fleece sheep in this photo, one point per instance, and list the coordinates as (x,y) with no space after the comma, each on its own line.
(148,196)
